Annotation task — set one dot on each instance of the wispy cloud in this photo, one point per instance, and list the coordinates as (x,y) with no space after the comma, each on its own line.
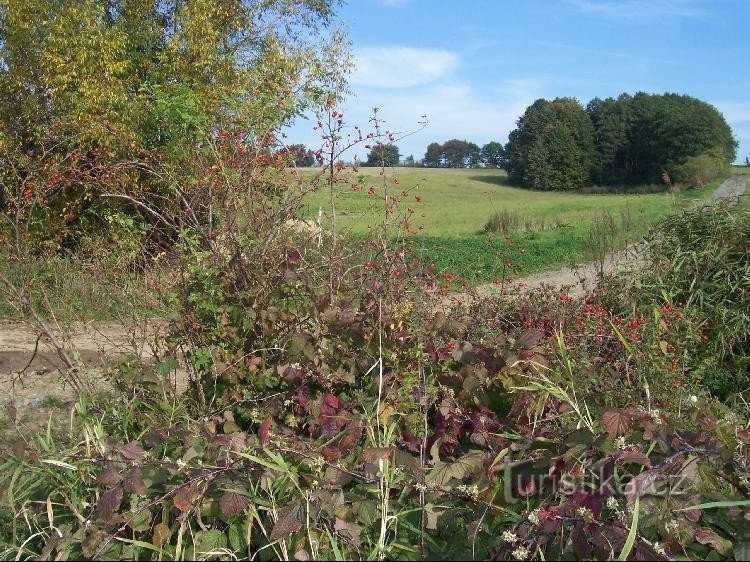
(454,110)
(393,3)
(401,67)
(643,10)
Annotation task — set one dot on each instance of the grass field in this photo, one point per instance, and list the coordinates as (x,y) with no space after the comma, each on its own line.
(452,206)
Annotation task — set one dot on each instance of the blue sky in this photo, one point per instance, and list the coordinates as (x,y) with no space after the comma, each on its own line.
(473,66)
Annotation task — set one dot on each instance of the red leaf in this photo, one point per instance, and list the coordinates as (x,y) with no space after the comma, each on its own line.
(616,423)
(133,451)
(372,455)
(332,401)
(109,477)
(108,504)
(134,482)
(287,523)
(186,496)
(232,504)
(263,430)
(635,457)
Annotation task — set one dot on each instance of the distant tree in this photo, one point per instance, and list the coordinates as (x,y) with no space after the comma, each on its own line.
(492,155)
(433,158)
(747,161)
(552,147)
(460,154)
(409,161)
(612,121)
(383,155)
(640,137)
(303,157)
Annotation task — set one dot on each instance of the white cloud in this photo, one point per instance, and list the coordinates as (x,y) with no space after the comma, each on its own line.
(638,9)
(454,110)
(401,67)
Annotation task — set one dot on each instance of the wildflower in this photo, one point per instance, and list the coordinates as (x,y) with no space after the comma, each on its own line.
(509,536)
(585,514)
(612,502)
(534,517)
(694,399)
(472,490)
(659,549)
(620,443)
(521,553)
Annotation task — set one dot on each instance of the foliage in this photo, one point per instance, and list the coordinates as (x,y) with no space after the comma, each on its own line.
(639,137)
(628,140)
(701,169)
(698,260)
(553,146)
(492,155)
(452,153)
(459,448)
(111,98)
(383,155)
(303,157)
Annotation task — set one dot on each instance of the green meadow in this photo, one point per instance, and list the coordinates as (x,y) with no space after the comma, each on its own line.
(448,209)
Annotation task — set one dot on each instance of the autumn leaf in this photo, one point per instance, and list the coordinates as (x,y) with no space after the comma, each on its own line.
(232,504)
(132,451)
(287,523)
(108,504)
(161,535)
(109,477)
(134,483)
(704,535)
(372,455)
(616,423)
(186,496)
(263,430)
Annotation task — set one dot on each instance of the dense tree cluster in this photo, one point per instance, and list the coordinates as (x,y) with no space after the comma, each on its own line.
(629,140)
(456,153)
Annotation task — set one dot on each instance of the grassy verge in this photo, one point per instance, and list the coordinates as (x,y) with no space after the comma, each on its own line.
(451,207)
(75,290)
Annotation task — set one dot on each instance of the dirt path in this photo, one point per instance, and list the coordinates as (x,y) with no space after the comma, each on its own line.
(30,377)
(579,279)
(30,370)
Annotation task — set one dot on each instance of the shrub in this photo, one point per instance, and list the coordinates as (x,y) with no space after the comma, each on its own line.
(698,261)
(701,169)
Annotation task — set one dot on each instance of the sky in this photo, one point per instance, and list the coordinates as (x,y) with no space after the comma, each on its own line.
(472,67)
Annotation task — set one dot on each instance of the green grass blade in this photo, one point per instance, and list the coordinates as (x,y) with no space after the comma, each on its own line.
(630,541)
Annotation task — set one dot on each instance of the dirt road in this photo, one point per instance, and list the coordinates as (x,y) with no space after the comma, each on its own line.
(29,377)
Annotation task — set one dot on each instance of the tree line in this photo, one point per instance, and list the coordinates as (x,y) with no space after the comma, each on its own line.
(627,140)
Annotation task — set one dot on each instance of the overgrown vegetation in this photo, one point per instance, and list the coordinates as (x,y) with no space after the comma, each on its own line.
(333,402)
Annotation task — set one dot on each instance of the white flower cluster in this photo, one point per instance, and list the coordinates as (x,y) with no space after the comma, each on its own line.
(534,517)
(521,553)
(469,490)
(585,514)
(510,536)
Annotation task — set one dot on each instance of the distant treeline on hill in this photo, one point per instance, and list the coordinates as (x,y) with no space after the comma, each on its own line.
(636,139)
